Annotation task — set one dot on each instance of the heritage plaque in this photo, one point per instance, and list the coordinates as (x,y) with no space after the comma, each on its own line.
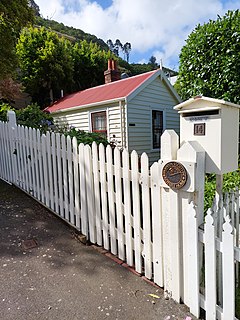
(174,175)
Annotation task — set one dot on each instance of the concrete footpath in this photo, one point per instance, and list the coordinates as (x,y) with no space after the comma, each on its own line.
(54,276)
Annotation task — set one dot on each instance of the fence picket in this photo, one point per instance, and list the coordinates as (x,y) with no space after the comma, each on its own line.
(228,271)
(76,183)
(60,174)
(1,153)
(70,180)
(40,159)
(4,162)
(84,213)
(65,177)
(136,212)
(146,216)
(49,169)
(210,267)
(90,194)
(12,142)
(156,225)
(6,168)
(104,196)
(111,199)
(119,205)
(32,162)
(127,208)
(97,193)
(45,169)
(9,171)
(28,160)
(25,186)
(36,166)
(55,206)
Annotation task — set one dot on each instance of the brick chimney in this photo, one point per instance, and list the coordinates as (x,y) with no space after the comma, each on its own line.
(112,73)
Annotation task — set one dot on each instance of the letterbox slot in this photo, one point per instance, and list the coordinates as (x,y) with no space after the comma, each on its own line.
(200,113)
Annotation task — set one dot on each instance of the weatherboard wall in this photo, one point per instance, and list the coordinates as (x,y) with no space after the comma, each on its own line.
(155,96)
(81,119)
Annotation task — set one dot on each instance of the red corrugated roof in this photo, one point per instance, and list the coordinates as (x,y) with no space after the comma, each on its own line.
(106,92)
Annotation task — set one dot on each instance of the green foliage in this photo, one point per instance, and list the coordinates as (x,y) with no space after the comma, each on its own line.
(46,64)
(14,15)
(210,60)
(4,108)
(83,136)
(89,64)
(231,181)
(78,34)
(33,117)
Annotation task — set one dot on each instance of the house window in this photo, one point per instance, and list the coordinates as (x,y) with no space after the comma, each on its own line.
(99,123)
(157,128)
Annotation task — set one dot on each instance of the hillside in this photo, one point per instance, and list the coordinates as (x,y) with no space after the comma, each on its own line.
(72,32)
(78,35)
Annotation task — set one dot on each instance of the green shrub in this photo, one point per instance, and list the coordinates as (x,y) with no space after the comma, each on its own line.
(33,117)
(231,181)
(4,108)
(83,136)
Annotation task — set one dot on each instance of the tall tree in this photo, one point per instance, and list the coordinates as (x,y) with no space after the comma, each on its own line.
(117,46)
(210,60)
(89,64)
(126,50)
(35,7)
(14,15)
(46,64)
(153,62)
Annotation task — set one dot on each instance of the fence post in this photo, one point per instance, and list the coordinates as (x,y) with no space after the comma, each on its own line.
(170,219)
(192,209)
(12,125)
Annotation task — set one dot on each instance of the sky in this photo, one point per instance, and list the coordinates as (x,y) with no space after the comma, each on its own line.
(156,28)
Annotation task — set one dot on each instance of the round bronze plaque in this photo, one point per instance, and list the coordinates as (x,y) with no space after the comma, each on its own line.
(174,175)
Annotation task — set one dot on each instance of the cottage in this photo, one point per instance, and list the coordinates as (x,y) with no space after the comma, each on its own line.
(132,112)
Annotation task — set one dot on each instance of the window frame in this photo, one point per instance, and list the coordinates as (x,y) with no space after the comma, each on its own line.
(154,149)
(91,115)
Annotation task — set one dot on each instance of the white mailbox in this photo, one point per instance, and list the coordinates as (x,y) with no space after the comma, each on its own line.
(214,124)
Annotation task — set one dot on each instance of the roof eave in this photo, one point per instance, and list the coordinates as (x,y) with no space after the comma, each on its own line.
(96,104)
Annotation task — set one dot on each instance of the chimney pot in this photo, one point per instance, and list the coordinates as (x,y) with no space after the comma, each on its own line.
(114,65)
(112,73)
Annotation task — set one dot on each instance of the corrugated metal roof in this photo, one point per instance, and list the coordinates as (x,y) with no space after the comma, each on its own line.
(107,92)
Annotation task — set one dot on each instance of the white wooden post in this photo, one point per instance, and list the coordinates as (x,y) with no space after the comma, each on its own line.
(12,125)
(192,208)
(171,252)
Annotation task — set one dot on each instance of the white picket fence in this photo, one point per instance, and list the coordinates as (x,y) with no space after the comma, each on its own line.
(114,199)
(216,246)
(97,190)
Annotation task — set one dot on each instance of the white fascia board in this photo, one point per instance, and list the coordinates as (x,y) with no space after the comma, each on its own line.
(86,106)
